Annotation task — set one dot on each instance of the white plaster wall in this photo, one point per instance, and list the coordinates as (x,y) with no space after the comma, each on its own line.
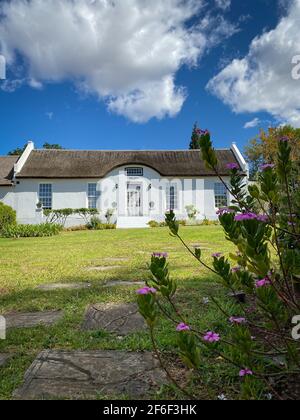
(113,189)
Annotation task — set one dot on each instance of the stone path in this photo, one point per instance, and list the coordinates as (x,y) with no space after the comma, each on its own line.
(76,374)
(4,359)
(105,268)
(32,319)
(63,286)
(118,259)
(89,374)
(120,319)
(114,283)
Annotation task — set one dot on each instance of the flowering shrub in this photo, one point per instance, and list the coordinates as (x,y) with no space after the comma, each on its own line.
(263,223)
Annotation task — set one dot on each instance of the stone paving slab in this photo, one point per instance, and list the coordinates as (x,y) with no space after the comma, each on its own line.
(120,319)
(4,358)
(63,286)
(114,283)
(90,374)
(105,268)
(32,319)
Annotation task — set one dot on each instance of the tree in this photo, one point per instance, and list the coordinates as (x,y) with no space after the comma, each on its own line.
(16,152)
(195,141)
(49,146)
(264,147)
(196,137)
(19,151)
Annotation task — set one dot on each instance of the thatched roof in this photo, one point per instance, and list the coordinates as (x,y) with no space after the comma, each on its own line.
(7,169)
(97,164)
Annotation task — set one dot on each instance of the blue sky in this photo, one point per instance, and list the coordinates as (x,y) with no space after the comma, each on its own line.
(43,107)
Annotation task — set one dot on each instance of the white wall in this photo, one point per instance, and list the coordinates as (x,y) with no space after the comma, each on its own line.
(23,197)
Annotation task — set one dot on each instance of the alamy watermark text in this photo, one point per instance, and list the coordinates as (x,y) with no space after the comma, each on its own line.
(2,67)
(296,68)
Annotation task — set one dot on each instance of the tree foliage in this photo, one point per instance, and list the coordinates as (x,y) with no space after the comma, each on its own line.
(264,147)
(47,146)
(55,146)
(197,133)
(195,144)
(16,152)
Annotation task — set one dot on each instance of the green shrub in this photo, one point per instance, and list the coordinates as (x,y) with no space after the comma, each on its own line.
(7,216)
(191,212)
(107,226)
(155,224)
(76,228)
(30,231)
(108,215)
(96,224)
(207,222)
(61,216)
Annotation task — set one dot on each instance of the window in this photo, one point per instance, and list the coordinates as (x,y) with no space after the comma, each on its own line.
(45,196)
(92,196)
(221,199)
(172,197)
(134,171)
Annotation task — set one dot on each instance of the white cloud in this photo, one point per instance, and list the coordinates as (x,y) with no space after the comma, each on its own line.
(127,52)
(223,4)
(253,123)
(35,84)
(11,86)
(49,115)
(262,81)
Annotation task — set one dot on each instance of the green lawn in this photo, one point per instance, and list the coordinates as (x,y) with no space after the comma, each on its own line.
(27,263)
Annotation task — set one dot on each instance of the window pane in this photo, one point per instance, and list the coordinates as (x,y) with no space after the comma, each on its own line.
(134,171)
(172,201)
(92,196)
(92,190)
(45,196)
(92,203)
(221,197)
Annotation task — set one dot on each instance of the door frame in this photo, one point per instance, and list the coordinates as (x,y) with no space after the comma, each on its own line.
(140,185)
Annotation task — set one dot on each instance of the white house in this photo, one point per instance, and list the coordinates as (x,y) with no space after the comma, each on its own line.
(138,185)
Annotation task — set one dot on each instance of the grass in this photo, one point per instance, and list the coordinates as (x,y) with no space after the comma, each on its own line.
(28,263)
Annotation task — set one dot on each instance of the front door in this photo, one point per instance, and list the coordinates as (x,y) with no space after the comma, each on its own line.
(134,200)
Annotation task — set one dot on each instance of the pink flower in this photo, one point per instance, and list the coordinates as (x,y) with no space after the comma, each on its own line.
(217,255)
(201,132)
(236,269)
(262,218)
(160,255)
(238,321)
(245,216)
(246,372)
(267,166)
(211,337)
(182,327)
(232,166)
(251,216)
(263,283)
(146,291)
(284,139)
(224,210)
